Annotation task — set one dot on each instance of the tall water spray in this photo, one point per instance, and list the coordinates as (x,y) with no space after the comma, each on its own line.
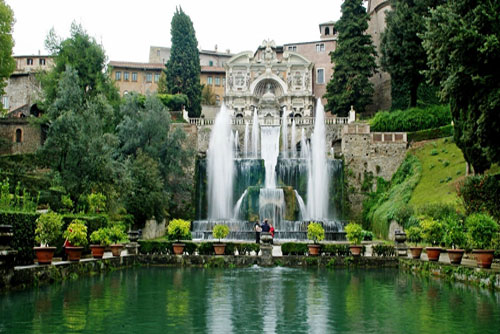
(255,135)
(318,181)
(220,168)
(294,139)
(269,151)
(284,134)
(245,141)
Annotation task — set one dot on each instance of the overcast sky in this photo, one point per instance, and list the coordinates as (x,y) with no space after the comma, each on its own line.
(127,28)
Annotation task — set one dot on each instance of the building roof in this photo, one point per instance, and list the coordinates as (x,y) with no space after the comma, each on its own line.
(212,69)
(216,53)
(135,65)
(312,42)
(33,56)
(327,23)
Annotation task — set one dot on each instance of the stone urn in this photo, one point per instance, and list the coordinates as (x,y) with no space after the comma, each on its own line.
(266,244)
(399,239)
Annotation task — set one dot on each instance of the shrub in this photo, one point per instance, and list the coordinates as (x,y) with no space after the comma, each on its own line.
(454,232)
(354,233)
(384,250)
(247,248)
(434,152)
(481,194)
(179,229)
(403,214)
(413,119)
(76,233)
(294,248)
(96,202)
(155,247)
(414,234)
(335,249)
(23,228)
(315,232)
(101,237)
(48,229)
(367,235)
(220,231)
(481,228)
(117,234)
(438,211)
(432,231)
(441,132)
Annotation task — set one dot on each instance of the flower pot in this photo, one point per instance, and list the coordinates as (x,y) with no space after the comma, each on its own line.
(44,255)
(178,248)
(433,253)
(355,250)
(74,253)
(416,252)
(314,249)
(97,251)
(219,249)
(116,249)
(455,255)
(484,257)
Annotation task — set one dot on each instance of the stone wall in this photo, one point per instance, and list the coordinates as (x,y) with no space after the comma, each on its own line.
(22,136)
(22,89)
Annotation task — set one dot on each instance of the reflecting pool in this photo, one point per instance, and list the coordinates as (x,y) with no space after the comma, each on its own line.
(251,300)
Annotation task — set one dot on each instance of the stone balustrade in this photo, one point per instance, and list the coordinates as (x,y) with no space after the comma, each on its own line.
(271,121)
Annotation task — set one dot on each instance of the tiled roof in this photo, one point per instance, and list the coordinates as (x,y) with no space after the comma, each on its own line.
(134,65)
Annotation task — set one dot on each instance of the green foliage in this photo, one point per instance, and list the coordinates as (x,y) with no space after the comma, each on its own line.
(413,119)
(76,233)
(354,60)
(462,44)
(372,200)
(247,248)
(354,233)
(7,62)
(481,229)
(96,202)
(66,203)
(414,234)
(439,211)
(101,237)
(454,235)
(183,67)
(481,194)
(207,96)
(315,232)
(220,231)
(335,249)
(23,227)
(294,248)
(384,250)
(48,229)
(155,247)
(434,152)
(117,234)
(174,102)
(432,231)
(368,235)
(18,201)
(403,214)
(179,229)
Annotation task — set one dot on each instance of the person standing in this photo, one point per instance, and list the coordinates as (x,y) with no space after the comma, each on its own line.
(265,226)
(271,231)
(258,229)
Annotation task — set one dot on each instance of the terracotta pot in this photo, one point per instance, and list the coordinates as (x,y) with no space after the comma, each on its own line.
(219,249)
(178,248)
(314,249)
(97,251)
(455,255)
(44,255)
(356,250)
(74,253)
(484,257)
(416,252)
(433,253)
(116,249)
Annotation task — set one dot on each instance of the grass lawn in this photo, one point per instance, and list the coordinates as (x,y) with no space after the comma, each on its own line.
(443,165)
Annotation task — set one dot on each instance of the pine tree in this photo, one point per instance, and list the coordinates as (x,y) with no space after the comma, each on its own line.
(7,63)
(183,68)
(354,62)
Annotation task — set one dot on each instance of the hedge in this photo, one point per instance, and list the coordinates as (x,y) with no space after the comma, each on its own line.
(413,119)
(294,248)
(481,194)
(335,250)
(384,250)
(204,248)
(441,132)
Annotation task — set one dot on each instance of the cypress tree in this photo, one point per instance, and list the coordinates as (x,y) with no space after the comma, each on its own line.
(7,63)
(183,68)
(354,62)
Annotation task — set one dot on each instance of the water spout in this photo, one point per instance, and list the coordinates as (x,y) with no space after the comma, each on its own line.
(294,139)
(245,141)
(284,134)
(255,135)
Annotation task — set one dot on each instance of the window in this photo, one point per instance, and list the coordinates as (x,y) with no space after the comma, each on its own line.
(157,77)
(209,81)
(223,82)
(5,102)
(125,76)
(42,61)
(118,76)
(19,136)
(320,76)
(149,77)
(292,48)
(29,61)
(320,47)
(211,63)
(217,81)
(327,31)
(134,76)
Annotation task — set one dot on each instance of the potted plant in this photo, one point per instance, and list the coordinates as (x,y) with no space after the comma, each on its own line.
(117,236)
(316,233)
(47,231)
(220,232)
(99,239)
(481,228)
(454,238)
(178,229)
(432,233)
(76,234)
(354,234)
(415,235)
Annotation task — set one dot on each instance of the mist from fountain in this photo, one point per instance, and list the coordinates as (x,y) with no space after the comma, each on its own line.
(284,134)
(255,135)
(294,139)
(245,142)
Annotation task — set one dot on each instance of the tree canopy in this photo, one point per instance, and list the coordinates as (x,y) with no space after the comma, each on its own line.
(183,68)
(354,62)
(462,42)
(7,62)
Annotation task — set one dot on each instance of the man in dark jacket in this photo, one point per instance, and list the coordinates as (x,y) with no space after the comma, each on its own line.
(265,226)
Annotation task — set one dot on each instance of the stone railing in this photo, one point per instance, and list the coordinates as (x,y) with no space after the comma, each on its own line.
(271,121)
(388,137)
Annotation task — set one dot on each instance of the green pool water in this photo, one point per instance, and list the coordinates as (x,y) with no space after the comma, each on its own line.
(252,300)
